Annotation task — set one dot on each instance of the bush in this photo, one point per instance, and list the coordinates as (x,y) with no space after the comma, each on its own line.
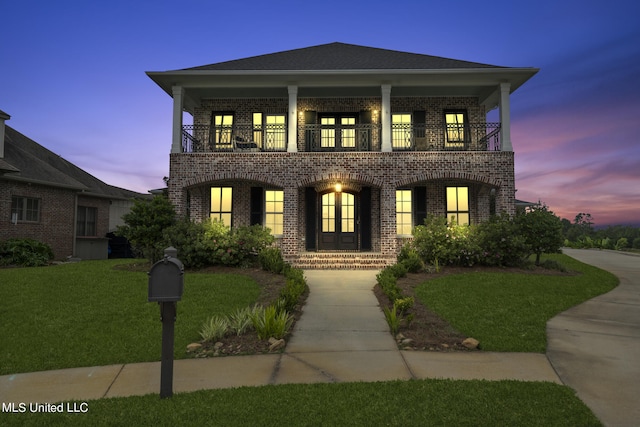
(541,229)
(636,243)
(621,244)
(270,322)
(439,243)
(388,283)
(410,259)
(293,289)
(189,238)
(236,246)
(270,259)
(500,242)
(25,253)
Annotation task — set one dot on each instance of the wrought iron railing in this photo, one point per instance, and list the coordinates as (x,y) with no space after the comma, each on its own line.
(206,138)
(464,137)
(360,137)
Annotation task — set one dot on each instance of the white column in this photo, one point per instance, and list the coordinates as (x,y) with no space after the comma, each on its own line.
(292,135)
(505,117)
(178,106)
(385,118)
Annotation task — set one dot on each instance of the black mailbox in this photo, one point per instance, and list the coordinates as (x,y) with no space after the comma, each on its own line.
(166,279)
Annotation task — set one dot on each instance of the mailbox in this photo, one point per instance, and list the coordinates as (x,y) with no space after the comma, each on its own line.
(166,278)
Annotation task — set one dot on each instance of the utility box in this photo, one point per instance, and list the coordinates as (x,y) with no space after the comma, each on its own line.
(166,278)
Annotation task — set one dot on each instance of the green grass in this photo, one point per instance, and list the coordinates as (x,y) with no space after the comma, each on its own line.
(509,312)
(88,314)
(424,402)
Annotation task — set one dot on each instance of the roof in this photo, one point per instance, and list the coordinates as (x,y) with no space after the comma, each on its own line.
(344,70)
(26,160)
(342,56)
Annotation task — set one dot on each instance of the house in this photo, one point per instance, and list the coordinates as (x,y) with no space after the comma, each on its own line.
(46,198)
(341,149)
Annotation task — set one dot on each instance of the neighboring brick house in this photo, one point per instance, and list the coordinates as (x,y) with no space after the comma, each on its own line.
(46,198)
(341,149)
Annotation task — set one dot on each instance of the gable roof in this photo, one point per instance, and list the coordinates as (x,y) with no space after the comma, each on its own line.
(27,161)
(342,56)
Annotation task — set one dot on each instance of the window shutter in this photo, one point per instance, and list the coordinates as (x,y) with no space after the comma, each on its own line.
(310,214)
(419,122)
(364,135)
(420,205)
(310,118)
(365,219)
(257,205)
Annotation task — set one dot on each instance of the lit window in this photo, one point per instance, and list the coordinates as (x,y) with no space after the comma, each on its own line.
(458,205)
(328,134)
(348,132)
(348,221)
(455,122)
(223,128)
(274,211)
(401,133)
(221,204)
(86,221)
(329,212)
(404,223)
(270,132)
(25,209)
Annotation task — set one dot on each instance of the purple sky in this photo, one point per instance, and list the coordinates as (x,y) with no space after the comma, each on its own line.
(72,77)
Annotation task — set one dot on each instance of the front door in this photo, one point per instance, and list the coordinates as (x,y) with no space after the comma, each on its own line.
(338,221)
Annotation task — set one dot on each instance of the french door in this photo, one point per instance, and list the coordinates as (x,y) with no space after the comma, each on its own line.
(338,221)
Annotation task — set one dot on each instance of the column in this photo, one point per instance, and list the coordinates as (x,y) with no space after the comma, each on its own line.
(505,117)
(385,118)
(292,135)
(178,106)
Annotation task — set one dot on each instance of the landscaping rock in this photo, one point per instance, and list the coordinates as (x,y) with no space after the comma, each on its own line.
(194,346)
(471,343)
(276,344)
(218,345)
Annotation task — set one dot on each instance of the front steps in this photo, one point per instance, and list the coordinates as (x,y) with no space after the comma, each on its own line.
(341,260)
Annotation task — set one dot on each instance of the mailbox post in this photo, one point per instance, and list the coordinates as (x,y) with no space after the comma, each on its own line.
(166,283)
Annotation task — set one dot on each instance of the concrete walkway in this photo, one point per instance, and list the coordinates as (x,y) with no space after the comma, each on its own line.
(341,337)
(595,346)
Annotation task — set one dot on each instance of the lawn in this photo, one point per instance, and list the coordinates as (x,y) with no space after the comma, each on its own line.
(509,311)
(424,402)
(88,314)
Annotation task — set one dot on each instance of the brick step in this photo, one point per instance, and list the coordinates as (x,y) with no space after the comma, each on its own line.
(342,260)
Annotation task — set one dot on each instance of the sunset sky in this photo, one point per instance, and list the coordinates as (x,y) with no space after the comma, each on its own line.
(72,77)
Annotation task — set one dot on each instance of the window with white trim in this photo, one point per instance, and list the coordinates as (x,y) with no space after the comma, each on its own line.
(25,209)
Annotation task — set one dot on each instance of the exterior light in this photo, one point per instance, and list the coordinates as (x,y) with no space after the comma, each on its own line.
(338,187)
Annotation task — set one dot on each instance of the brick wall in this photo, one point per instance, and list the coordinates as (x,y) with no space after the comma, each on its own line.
(57,215)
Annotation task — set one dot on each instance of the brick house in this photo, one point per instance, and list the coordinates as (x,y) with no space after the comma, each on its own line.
(341,149)
(46,198)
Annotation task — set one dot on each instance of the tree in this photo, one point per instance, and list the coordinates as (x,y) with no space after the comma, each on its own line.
(542,230)
(145,224)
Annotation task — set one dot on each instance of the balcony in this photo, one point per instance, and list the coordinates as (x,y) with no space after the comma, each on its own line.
(359,137)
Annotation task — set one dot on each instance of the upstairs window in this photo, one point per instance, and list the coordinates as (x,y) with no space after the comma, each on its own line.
(25,209)
(270,131)
(458,205)
(221,203)
(401,132)
(86,221)
(456,134)
(222,128)
(328,132)
(348,132)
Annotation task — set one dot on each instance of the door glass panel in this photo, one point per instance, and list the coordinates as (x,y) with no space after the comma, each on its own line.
(348,213)
(329,213)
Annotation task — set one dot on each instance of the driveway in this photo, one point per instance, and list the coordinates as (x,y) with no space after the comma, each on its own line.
(595,346)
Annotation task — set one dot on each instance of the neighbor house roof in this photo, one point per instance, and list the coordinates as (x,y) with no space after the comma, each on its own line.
(342,56)
(27,161)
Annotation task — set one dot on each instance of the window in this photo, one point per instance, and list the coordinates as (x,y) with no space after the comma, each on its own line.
(458,205)
(223,128)
(274,211)
(401,132)
(25,209)
(348,132)
(328,132)
(456,123)
(221,204)
(403,212)
(270,131)
(86,221)
(348,214)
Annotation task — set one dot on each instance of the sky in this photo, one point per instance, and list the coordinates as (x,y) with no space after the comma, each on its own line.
(72,78)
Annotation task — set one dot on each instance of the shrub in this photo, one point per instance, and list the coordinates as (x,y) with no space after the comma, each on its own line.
(270,259)
(236,246)
(439,243)
(393,319)
(500,242)
(409,257)
(636,243)
(269,322)
(25,253)
(404,304)
(388,283)
(214,328)
(240,320)
(541,229)
(621,244)
(293,289)
(188,237)
(398,270)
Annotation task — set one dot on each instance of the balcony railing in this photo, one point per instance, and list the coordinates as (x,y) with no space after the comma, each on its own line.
(360,137)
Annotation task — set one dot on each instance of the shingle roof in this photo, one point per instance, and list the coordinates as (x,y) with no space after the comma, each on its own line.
(29,161)
(342,56)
